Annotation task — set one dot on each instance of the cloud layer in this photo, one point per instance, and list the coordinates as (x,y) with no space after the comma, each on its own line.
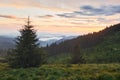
(8,16)
(93,11)
(46,16)
(61,15)
(11,17)
(103,10)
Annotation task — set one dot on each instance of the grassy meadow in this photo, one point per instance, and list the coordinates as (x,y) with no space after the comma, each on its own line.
(62,72)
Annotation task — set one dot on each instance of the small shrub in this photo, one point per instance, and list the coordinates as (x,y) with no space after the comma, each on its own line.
(105,77)
(36,78)
(11,78)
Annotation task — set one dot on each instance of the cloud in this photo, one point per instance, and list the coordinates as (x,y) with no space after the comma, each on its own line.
(104,20)
(11,17)
(93,11)
(50,38)
(8,16)
(46,16)
(101,19)
(103,10)
(66,15)
(32,3)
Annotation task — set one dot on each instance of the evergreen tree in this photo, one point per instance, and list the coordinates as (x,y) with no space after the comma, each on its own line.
(77,57)
(27,52)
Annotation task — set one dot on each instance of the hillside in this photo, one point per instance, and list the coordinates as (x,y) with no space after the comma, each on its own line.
(99,47)
(85,41)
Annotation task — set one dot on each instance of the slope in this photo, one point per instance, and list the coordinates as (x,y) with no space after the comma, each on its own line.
(85,41)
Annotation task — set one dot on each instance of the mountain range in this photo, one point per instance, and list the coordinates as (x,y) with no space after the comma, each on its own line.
(96,47)
(9,42)
(84,41)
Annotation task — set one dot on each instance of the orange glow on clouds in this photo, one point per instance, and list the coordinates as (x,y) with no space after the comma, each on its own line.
(76,30)
(49,15)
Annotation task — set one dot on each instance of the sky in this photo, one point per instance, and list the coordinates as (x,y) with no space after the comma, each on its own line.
(58,17)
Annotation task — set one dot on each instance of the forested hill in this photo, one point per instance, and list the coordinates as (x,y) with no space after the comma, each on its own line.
(85,41)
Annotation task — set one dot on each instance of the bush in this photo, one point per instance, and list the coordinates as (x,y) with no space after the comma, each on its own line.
(105,77)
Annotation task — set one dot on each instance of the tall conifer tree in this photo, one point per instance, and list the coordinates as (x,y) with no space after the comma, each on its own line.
(26,53)
(77,57)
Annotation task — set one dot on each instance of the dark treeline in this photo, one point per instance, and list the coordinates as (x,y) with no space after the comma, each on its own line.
(84,41)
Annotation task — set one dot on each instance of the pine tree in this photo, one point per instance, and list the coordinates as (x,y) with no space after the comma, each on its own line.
(77,56)
(27,52)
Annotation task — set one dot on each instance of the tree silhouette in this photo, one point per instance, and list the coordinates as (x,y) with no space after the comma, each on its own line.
(77,57)
(27,52)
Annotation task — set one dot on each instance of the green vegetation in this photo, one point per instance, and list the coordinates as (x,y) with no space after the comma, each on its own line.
(97,47)
(59,59)
(63,72)
(102,47)
(4,66)
(106,52)
(27,52)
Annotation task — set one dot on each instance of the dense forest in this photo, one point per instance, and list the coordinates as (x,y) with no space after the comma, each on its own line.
(96,47)
(84,41)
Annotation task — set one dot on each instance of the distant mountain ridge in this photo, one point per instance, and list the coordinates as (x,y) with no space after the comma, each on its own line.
(84,42)
(65,38)
(9,42)
(6,42)
(51,41)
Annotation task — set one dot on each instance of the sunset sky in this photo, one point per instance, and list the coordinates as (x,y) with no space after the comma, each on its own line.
(62,17)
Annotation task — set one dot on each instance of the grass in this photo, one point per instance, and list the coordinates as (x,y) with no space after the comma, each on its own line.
(63,72)
(4,66)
